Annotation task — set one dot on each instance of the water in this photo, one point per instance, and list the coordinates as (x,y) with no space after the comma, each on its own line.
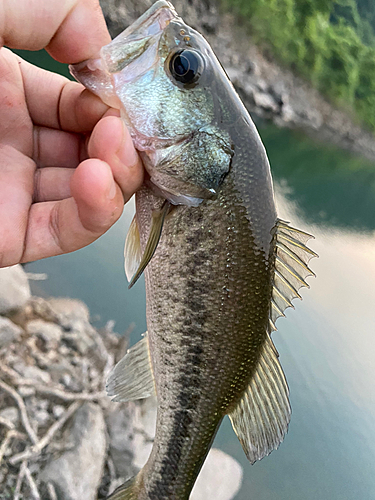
(326,345)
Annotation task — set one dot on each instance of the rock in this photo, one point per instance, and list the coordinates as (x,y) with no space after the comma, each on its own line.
(119,421)
(77,473)
(287,113)
(42,417)
(10,414)
(220,477)
(70,308)
(9,332)
(78,332)
(58,410)
(14,289)
(48,332)
(71,383)
(131,430)
(78,339)
(265,101)
(234,74)
(33,373)
(144,424)
(26,391)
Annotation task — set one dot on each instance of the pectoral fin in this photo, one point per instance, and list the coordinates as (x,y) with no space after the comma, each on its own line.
(158,218)
(132,250)
(132,377)
(261,418)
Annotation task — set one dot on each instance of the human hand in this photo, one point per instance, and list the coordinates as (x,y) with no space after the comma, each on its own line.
(67,164)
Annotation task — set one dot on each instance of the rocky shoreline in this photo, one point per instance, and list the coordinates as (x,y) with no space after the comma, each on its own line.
(61,438)
(268,90)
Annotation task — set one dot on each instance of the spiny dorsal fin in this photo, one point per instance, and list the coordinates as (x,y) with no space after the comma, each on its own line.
(291,269)
(132,377)
(261,418)
(132,250)
(158,217)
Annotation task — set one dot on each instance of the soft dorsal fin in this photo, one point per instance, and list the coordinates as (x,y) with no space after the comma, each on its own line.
(291,268)
(158,217)
(132,250)
(261,418)
(132,377)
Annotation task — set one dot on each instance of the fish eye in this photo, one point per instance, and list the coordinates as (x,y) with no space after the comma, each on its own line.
(186,66)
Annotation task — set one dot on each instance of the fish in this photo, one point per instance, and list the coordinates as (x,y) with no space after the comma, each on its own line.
(220,266)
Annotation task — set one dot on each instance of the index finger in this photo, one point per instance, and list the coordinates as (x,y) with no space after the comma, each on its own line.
(71,30)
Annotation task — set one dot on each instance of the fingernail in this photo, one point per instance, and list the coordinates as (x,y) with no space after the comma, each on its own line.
(127,153)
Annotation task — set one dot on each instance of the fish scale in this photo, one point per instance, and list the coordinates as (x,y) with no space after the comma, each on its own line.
(223,315)
(220,267)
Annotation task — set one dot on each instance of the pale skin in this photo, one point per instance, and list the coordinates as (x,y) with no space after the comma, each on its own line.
(67,164)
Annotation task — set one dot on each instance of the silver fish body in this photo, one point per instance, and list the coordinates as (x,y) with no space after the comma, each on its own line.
(219,276)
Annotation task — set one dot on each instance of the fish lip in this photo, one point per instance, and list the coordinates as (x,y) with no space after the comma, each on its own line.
(140,37)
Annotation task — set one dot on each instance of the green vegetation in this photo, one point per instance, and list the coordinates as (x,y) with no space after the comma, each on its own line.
(331,43)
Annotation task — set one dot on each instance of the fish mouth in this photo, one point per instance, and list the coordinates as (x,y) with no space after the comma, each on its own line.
(154,20)
(136,47)
(140,36)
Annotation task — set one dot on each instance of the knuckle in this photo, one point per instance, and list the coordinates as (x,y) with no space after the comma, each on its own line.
(54,228)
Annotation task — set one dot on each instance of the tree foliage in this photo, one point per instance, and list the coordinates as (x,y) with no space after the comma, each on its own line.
(330,42)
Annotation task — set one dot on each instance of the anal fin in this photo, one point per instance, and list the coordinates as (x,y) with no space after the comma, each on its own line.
(132,377)
(261,418)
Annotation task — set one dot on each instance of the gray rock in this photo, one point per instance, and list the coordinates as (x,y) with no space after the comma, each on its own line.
(265,101)
(234,74)
(287,113)
(74,318)
(119,419)
(144,423)
(78,339)
(42,417)
(9,332)
(10,414)
(48,332)
(69,308)
(71,383)
(58,410)
(37,374)
(220,477)
(77,473)
(33,373)
(26,391)
(14,288)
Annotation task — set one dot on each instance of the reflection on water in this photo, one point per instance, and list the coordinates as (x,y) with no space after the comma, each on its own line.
(331,187)
(326,345)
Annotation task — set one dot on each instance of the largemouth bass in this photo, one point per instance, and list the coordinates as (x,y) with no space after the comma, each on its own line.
(220,267)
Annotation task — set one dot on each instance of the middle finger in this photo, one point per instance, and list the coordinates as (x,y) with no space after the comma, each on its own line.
(52,184)
(55,148)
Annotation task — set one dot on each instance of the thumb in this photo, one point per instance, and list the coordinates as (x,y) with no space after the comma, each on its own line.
(110,141)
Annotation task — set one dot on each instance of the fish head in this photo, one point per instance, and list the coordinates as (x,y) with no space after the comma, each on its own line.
(166,80)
